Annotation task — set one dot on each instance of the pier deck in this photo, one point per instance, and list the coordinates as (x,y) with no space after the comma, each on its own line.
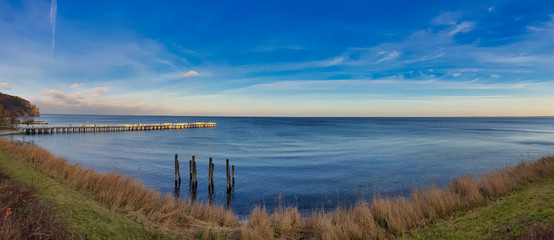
(86,128)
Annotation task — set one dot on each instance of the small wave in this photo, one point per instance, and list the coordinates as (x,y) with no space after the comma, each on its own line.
(543,143)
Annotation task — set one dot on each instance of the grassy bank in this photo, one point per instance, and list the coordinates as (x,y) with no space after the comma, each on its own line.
(389,217)
(518,215)
(84,216)
(25,215)
(101,206)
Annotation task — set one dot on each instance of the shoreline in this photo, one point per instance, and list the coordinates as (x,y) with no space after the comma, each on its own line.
(380,218)
(288,116)
(7,132)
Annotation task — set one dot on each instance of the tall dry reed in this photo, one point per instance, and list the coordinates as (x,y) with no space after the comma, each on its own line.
(388,217)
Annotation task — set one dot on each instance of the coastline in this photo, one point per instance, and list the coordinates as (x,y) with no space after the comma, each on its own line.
(7,132)
(384,217)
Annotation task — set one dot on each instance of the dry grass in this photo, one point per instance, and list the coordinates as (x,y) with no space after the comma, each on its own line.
(384,217)
(122,194)
(23,215)
(388,217)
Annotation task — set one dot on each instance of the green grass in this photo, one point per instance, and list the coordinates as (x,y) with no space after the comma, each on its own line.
(83,215)
(501,219)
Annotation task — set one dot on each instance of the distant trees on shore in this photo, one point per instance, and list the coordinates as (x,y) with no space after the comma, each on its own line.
(13,107)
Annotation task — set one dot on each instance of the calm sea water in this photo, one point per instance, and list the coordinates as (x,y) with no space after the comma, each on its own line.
(304,162)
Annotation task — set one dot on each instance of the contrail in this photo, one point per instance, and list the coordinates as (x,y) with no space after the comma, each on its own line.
(53,12)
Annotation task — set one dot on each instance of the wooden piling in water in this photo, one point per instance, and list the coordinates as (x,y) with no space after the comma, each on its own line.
(190,171)
(210,175)
(194,173)
(177,173)
(228,177)
(233,167)
(212,180)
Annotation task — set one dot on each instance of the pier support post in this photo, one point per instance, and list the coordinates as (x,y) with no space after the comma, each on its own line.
(194,173)
(210,176)
(228,177)
(177,173)
(233,168)
(212,182)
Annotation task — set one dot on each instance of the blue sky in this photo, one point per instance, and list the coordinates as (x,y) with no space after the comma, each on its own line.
(281,58)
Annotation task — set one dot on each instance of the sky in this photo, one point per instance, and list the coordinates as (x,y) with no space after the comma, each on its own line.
(280,58)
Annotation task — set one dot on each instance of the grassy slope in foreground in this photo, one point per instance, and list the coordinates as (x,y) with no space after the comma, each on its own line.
(84,215)
(26,215)
(504,218)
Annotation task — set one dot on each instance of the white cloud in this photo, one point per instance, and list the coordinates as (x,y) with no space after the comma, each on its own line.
(389,56)
(5,85)
(78,98)
(393,83)
(463,27)
(100,89)
(330,62)
(190,73)
(515,60)
(97,91)
(447,18)
(57,97)
(425,58)
(53,13)
(77,85)
(94,102)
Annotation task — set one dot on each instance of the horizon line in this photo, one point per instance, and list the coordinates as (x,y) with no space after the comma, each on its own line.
(288,116)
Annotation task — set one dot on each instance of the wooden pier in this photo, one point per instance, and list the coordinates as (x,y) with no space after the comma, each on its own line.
(89,128)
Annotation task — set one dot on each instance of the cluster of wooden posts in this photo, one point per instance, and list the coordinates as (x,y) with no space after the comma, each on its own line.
(193,176)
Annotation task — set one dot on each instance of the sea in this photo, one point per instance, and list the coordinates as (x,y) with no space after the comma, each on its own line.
(305,162)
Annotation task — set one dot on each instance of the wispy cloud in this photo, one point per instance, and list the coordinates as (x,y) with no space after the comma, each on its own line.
(77,85)
(190,73)
(389,55)
(57,97)
(99,90)
(330,62)
(425,58)
(53,13)
(447,18)
(511,59)
(463,27)
(93,101)
(78,98)
(361,85)
(5,85)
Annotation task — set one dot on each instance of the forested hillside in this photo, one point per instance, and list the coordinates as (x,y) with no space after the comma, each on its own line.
(13,106)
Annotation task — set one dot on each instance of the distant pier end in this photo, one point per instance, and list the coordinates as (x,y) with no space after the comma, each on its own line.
(89,128)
